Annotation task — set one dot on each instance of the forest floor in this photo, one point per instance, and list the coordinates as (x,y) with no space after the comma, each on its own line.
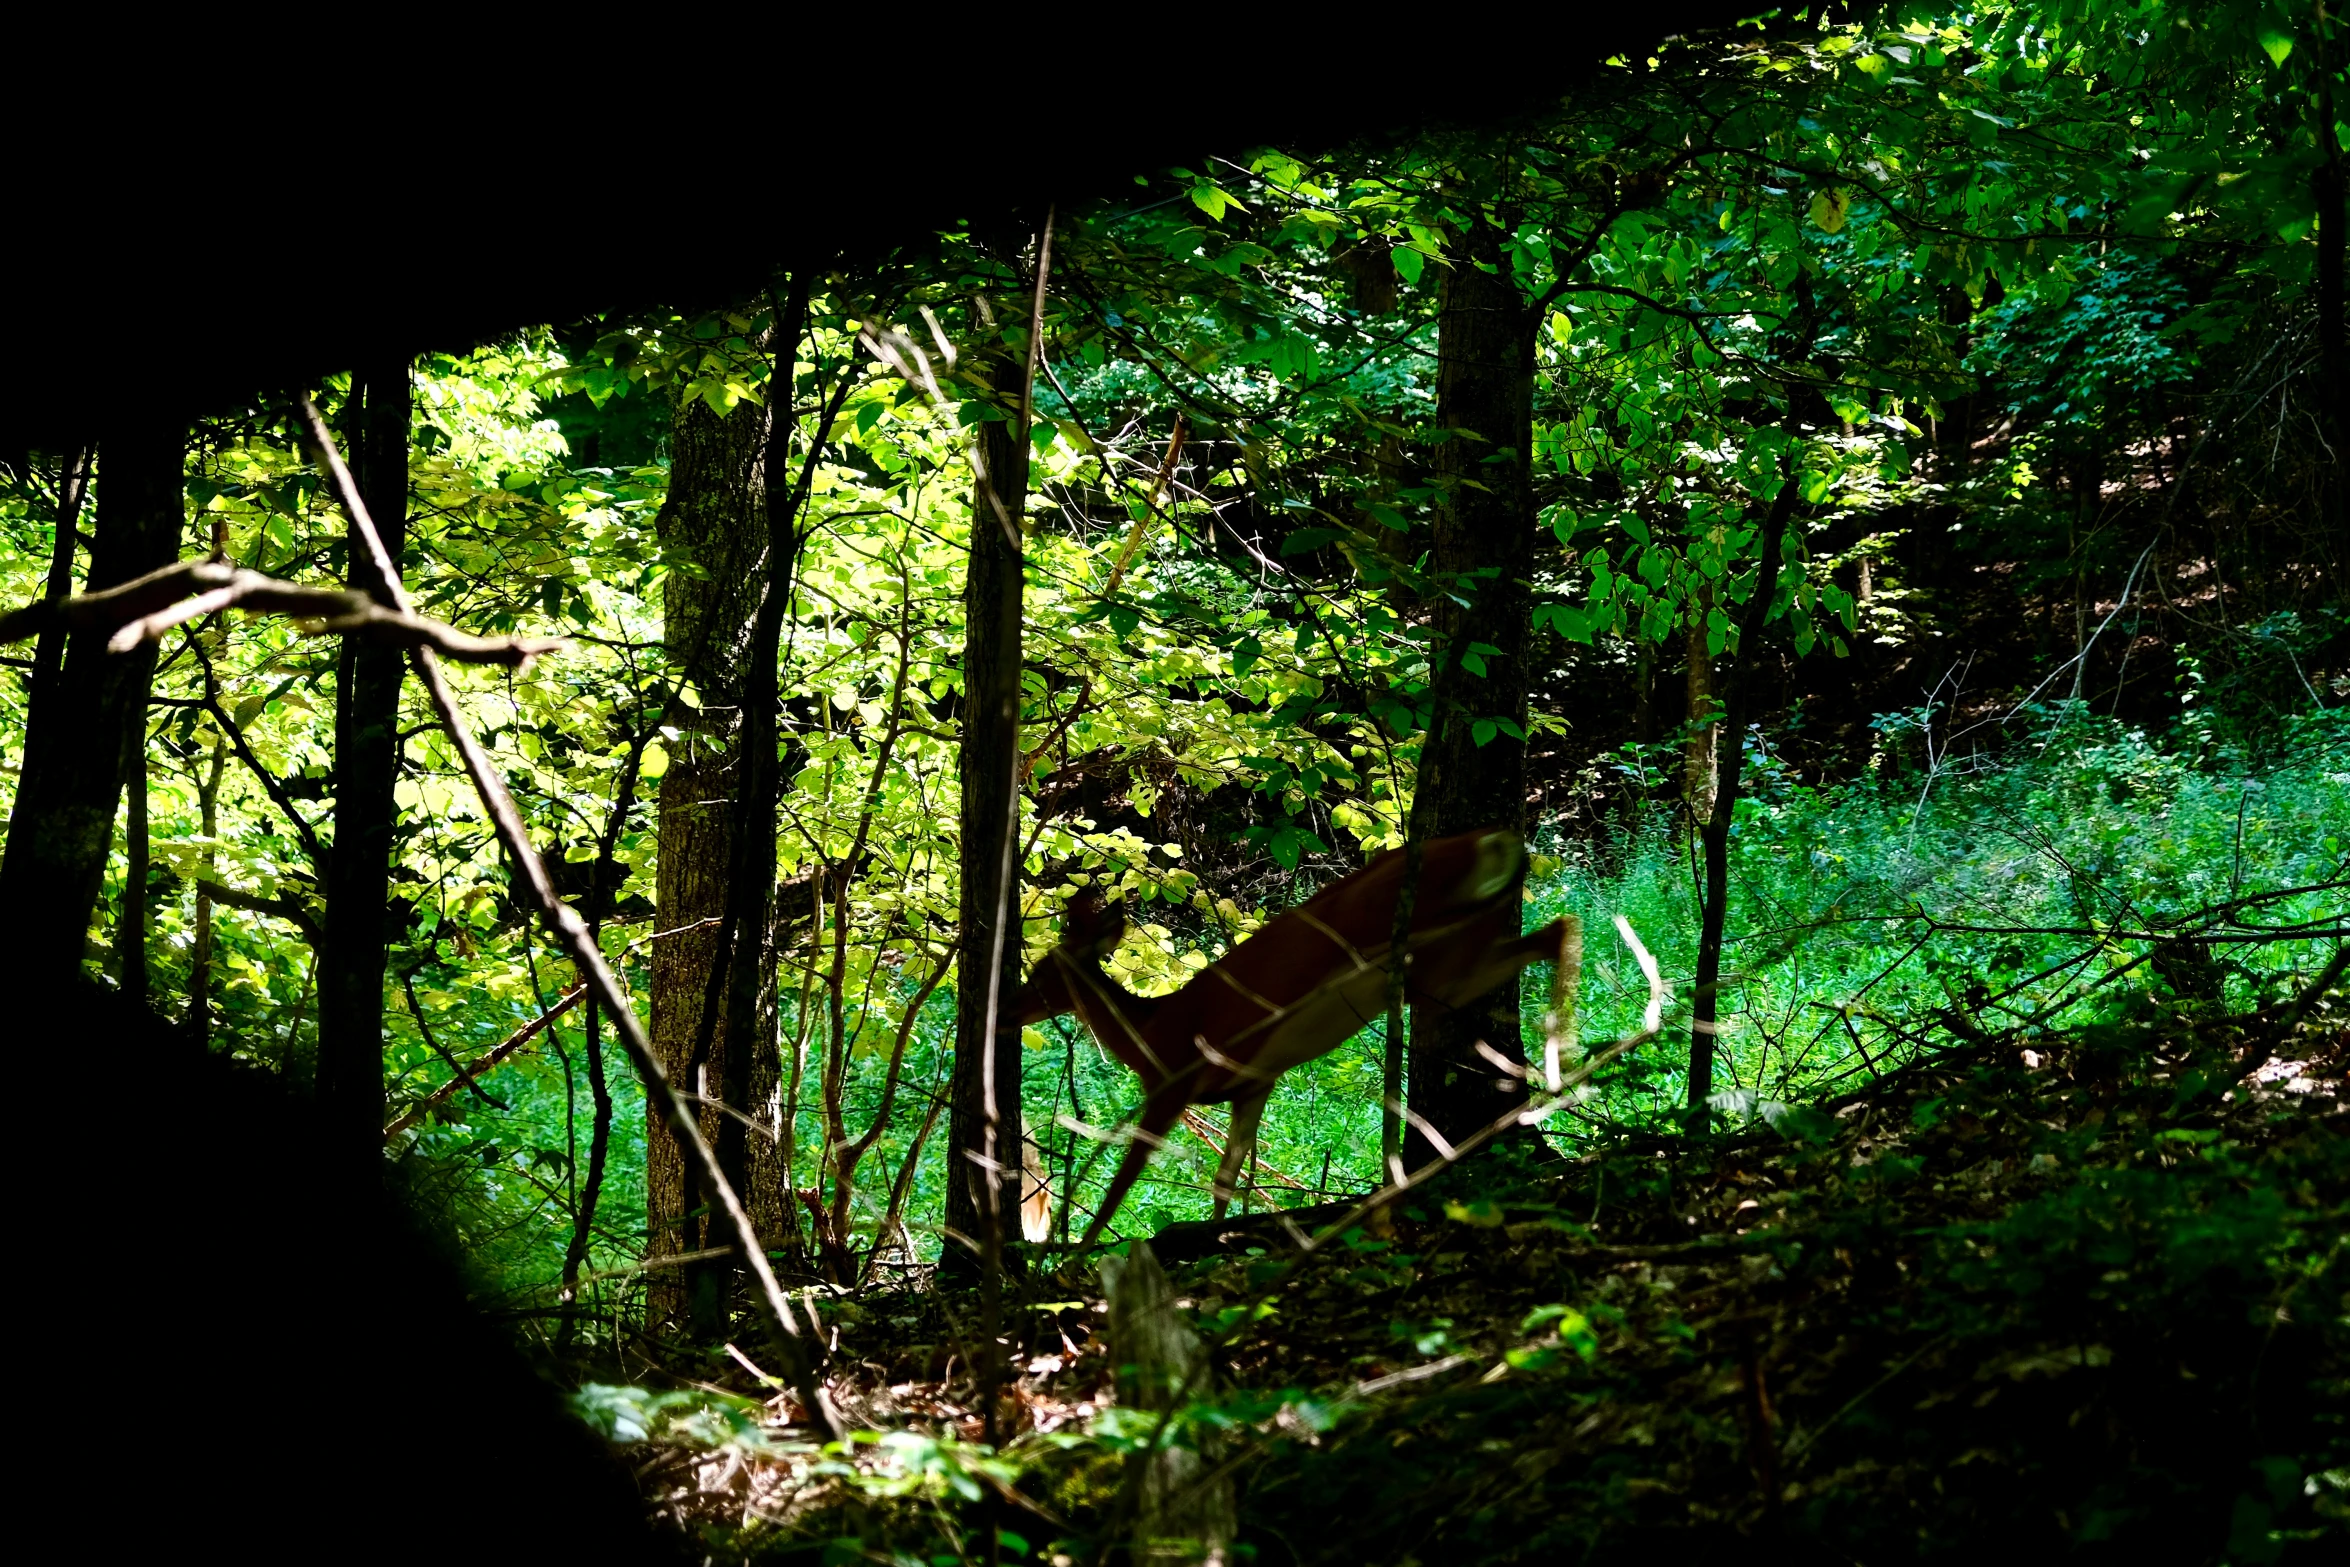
(2088,1297)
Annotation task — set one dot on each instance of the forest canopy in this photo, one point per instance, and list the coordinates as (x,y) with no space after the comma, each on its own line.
(1858,494)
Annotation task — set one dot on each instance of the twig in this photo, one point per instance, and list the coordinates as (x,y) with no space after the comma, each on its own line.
(490,1059)
(2276,1033)
(1150,504)
(271,785)
(471,1080)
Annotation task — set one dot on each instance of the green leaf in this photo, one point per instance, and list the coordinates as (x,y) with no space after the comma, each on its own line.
(1572,623)
(1408,263)
(1214,200)
(2279,45)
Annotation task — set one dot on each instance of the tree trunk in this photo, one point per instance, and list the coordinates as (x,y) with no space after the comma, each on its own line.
(774,1213)
(130,933)
(2333,364)
(367,767)
(603,892)
(1737,701)
(980,1129)
(77,729)
(1484,551)
(73,490)
(1700,760)
(712,527)
(199,1016)
(751,1072)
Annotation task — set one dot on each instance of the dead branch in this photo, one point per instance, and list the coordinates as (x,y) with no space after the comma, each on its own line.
(578,942)
(512,1042)
(466,1075)
(143,609)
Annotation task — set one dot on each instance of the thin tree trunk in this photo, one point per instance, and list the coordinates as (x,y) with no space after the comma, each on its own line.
(2326,183)
(61,827)
(989,962)
(367,769)
(73,489)
(1737,689)
(1484,551)
(199,1016)
(130,934)
(752,1072)
(711,526)
(783,1196)
(1700,760)
(768,1197)
(603,889)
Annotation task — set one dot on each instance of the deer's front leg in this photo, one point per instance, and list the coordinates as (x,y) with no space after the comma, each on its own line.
(1239,1144)
(1158,1115)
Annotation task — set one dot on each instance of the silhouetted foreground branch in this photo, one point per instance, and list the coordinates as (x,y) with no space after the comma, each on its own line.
(143,609)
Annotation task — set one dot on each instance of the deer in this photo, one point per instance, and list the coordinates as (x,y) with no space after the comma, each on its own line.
(1296,990)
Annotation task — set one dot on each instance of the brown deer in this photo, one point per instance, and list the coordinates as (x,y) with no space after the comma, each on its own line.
(1297,989)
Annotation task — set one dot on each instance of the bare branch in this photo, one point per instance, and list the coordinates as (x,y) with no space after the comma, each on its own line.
(143,609)
(467,1075)
(254,903)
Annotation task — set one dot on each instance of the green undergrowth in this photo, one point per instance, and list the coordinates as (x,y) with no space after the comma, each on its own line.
(2091,871)
(2081,873)
(2087,869)
(2089,1302)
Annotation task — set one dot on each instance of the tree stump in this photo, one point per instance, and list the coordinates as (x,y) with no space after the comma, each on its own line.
(1183,1505)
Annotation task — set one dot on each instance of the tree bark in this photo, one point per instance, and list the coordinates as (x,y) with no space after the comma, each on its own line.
(712,528)
(2333,364)
(199,1016)
(1484,551)
(130,933)
(77,728)
(73,489)
(367,768)
(992,593)
(1700,762)
(603,892)
(750,1072)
